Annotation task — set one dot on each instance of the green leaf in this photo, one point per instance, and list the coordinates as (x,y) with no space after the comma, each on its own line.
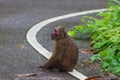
(71,33)
(103,53)
(116,1)
(95,57)
(79,28)
(105,65)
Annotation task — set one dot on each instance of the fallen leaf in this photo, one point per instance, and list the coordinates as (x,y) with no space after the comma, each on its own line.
(53,78)
(21,46)
(97,65)
(86,51)
(86,61)
(26,75)
(81,65)
(95,78)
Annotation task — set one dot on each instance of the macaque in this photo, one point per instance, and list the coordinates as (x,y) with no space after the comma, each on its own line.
(65,54)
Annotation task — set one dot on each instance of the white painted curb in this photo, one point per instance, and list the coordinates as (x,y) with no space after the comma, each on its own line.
(31,36)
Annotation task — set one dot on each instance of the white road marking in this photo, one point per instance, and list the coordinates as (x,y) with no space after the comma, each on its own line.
(31,36)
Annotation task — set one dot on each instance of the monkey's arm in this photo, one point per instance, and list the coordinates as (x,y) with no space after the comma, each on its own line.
(56,56)
(49,63)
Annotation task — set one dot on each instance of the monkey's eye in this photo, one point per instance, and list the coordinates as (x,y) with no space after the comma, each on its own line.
(55,30)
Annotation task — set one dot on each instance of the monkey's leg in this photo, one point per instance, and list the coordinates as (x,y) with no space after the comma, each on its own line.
(62,69)
(50,67)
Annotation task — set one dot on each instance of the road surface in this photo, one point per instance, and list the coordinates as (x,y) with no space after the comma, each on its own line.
(16,18)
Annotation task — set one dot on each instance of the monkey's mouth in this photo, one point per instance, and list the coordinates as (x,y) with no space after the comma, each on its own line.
(54,34)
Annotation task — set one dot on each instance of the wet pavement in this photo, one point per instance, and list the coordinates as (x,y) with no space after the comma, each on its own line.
(16,18)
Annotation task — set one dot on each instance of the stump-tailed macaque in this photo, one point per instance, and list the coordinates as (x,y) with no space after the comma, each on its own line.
(65,54)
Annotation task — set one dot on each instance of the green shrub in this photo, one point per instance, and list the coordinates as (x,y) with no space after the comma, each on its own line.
(104,33)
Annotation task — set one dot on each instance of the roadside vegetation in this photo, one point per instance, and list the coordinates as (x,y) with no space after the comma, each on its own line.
(103,32)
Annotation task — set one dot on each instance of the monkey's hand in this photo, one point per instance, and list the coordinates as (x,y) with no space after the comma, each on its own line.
(41,67)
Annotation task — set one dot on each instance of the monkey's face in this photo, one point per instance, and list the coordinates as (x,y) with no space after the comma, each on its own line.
(55,34)
(59,33)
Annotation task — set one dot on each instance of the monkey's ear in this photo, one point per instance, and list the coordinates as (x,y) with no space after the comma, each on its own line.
(63,34)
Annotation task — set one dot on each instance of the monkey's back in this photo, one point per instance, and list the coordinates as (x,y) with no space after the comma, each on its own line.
(70,55)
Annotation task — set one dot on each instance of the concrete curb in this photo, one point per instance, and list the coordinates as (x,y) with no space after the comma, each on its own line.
(31,36)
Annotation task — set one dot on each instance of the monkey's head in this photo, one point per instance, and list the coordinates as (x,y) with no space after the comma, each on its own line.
(59,33)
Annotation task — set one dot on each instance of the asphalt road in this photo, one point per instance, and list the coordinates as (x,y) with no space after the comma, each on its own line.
(16,18)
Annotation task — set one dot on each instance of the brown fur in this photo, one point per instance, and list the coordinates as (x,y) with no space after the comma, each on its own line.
(65,55)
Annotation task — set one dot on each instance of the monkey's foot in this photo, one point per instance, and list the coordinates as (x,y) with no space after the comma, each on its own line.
(41,66)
